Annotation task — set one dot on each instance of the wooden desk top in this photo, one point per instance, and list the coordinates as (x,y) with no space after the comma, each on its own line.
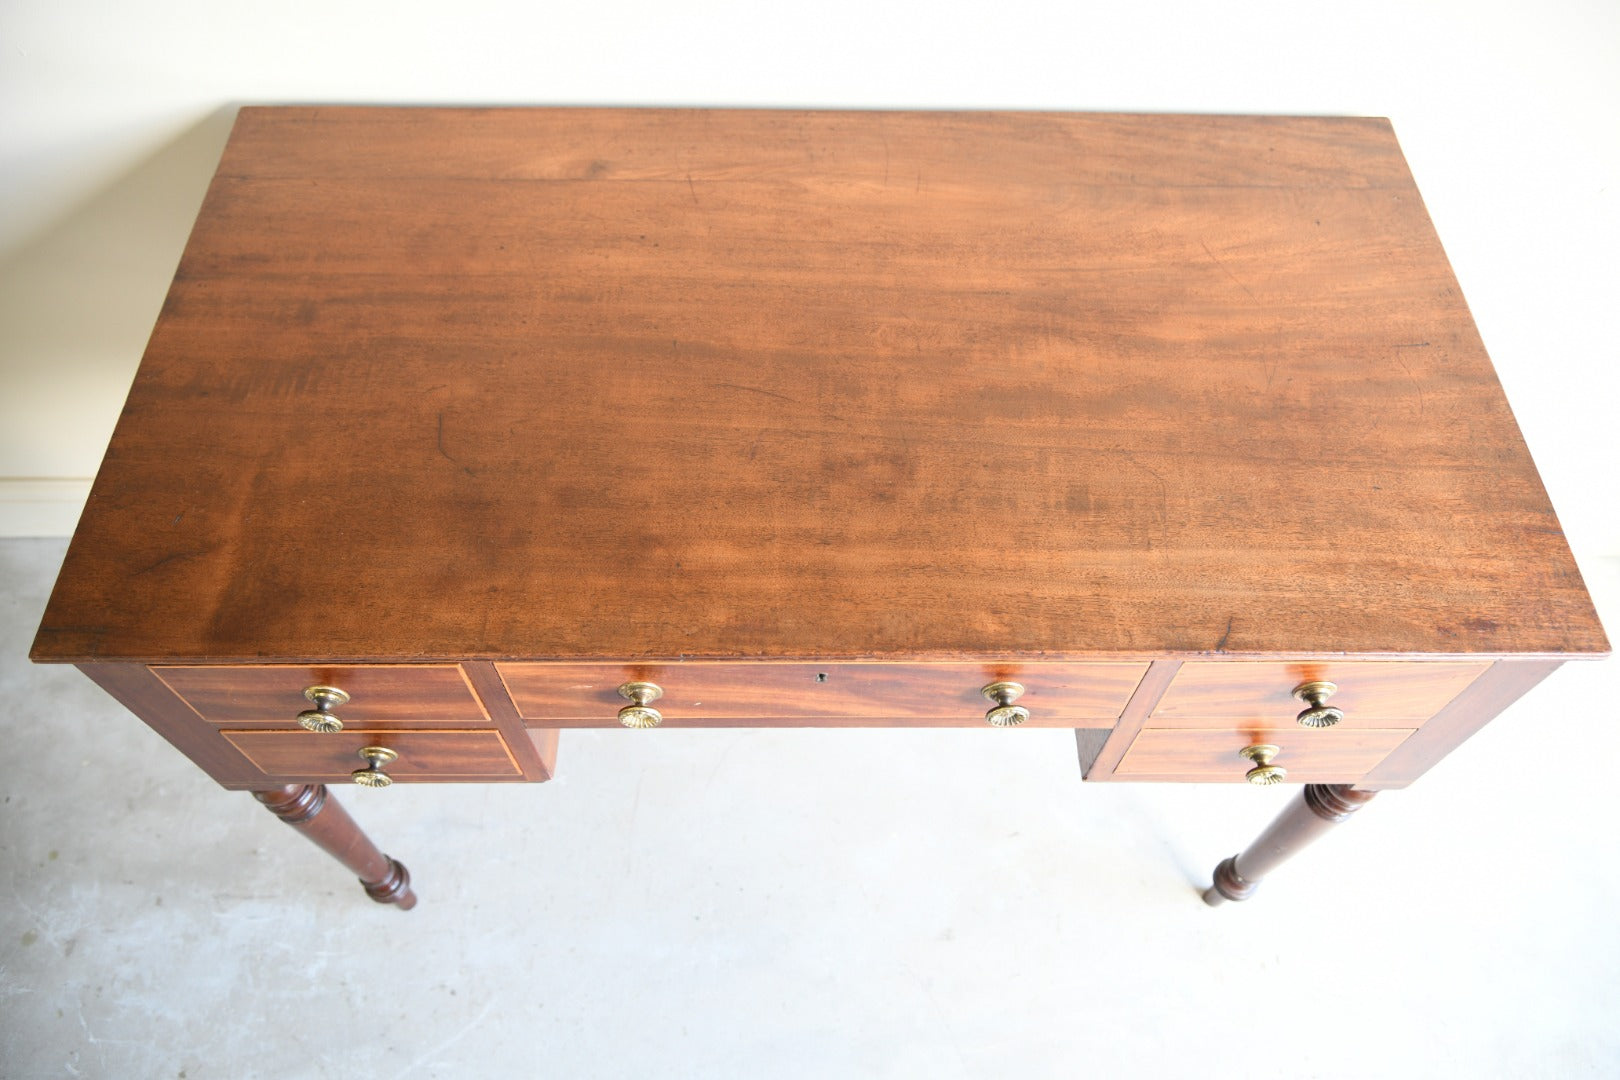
(625,384)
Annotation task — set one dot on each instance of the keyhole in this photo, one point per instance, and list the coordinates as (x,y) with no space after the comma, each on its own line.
(821,676)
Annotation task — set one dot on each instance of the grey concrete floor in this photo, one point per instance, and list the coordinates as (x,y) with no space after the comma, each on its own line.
(801,904)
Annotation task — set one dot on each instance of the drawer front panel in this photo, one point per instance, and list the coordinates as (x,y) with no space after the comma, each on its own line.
(1335,756)
(423,755)
(421,695)
(812,695)
(1371,693)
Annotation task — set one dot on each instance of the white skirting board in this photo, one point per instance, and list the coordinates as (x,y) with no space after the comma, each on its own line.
(31,506)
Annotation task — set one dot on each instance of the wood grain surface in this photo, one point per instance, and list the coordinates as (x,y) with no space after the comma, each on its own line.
(1336,755)
(422,695)
(762,694)
(1101,760)
(456,756)
(1478,705)
(650,385)
(534,750)
(141,692)
(1369,694)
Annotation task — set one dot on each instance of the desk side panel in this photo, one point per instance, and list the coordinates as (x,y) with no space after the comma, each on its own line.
(1500,686)
(141,692)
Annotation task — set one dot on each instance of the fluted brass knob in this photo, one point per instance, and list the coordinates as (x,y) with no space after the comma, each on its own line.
(372,775)
(1320,714)
(1264,772)
(640,714)
(1005,713)
(321,717)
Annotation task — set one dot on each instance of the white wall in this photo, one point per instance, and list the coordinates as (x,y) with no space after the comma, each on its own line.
(112,114)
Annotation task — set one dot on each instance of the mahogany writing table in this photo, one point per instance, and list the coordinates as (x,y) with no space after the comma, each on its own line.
(463,426)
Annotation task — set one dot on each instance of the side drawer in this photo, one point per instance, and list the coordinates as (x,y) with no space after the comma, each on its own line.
(814,695)
(1211,754)
(392,695)
(423,755)
(1261,694)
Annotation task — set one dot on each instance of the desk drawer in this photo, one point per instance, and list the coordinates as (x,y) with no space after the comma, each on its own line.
(423,755)
(815,695)
(1334,756)
(1371,693)
(394,696)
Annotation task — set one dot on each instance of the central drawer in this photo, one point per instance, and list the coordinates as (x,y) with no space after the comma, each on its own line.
(718,694)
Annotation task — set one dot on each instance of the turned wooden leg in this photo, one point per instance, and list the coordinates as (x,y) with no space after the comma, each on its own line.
(1318,808)
(313,812)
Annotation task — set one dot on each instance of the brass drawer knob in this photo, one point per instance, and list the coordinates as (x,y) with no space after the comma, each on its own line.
(640,713)
(321,718)
(1264,772)
(372,775)
(1005,713)
(1320,714)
